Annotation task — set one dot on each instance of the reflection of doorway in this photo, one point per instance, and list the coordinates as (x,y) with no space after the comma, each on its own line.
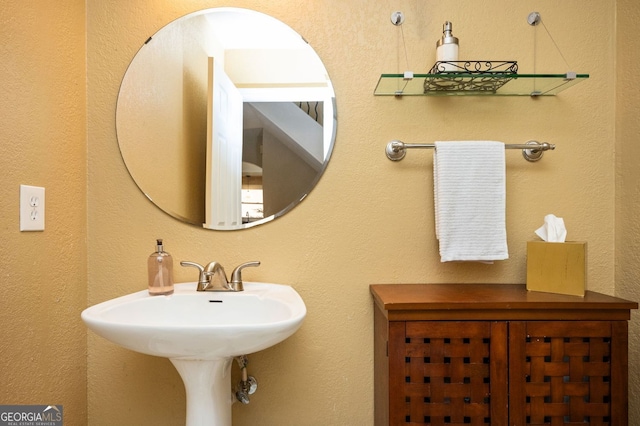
(281,141)
(252,194)
(287,143)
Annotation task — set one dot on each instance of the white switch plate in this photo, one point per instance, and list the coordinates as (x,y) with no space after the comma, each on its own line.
(31,208)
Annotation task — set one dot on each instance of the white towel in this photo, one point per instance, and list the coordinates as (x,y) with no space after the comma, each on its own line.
(469,195)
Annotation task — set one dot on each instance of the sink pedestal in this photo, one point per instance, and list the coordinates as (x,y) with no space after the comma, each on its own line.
(208,387)
(201,333)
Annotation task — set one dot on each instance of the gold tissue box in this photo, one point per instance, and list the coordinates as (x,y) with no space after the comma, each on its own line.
(557,267)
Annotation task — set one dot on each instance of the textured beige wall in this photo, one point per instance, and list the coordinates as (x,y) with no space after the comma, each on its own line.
(369,220)
(42,143)
(628,182)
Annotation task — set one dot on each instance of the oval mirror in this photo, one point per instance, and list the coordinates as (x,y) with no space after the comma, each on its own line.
(226,118)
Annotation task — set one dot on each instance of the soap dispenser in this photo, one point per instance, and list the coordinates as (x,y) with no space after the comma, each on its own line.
(447,48)
(160,266)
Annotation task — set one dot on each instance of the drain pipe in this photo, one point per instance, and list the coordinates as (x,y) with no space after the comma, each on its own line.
(248,384)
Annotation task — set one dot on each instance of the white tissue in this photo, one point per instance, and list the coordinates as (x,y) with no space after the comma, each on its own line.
(553,230)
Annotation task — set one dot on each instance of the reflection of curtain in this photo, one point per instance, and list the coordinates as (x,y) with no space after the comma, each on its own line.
(224,150)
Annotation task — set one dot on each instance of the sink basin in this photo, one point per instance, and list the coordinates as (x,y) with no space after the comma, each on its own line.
(201,332)
(199,325)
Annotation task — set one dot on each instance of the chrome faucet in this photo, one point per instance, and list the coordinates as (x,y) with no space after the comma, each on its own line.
(213,278)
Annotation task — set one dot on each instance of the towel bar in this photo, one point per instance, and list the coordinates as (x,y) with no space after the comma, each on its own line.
(531,150)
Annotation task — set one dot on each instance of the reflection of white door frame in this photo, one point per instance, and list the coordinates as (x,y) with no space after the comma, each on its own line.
(224,151)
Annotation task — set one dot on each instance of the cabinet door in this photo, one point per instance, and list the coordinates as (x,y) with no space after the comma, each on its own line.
(448,372)
(568,372)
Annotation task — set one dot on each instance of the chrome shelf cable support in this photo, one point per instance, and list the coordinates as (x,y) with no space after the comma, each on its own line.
(531,150)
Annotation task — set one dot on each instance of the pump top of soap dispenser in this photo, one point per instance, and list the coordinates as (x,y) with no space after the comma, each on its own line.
(447,36)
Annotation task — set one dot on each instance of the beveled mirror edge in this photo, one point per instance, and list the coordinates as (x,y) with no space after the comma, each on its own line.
(290,206)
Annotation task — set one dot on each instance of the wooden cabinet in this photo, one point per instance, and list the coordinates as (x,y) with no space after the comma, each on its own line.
(498,355)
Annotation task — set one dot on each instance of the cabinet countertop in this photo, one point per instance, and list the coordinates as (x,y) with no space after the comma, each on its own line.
(492,301)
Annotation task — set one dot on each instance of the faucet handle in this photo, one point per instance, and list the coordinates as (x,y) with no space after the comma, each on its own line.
(236,275)
(203,278)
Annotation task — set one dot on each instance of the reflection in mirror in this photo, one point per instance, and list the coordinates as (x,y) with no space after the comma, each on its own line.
(226,118)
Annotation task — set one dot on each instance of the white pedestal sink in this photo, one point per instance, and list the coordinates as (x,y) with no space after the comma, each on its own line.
(201,333)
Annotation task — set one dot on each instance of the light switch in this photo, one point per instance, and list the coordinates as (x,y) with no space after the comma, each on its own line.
(31,208)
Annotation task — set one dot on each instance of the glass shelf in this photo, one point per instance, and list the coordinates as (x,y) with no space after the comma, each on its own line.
(476,83)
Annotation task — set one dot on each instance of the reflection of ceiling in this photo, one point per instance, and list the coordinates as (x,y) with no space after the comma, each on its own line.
(274,68)
(256,50)
(238,29)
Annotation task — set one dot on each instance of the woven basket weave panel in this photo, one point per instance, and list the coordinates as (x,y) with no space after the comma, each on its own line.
(447,373)
(568,373)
